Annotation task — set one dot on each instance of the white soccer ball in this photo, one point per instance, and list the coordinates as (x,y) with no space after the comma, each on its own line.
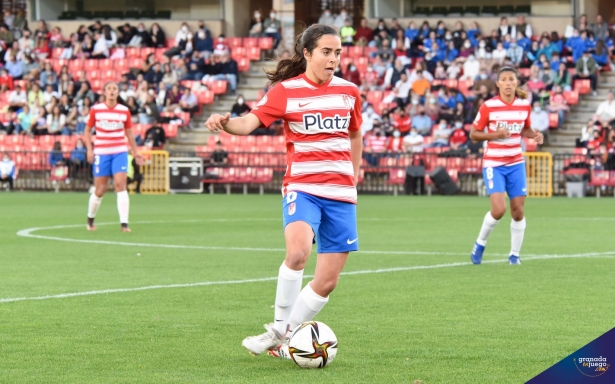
(312,345)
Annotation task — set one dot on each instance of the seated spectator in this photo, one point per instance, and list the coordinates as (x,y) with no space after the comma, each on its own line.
(369,119)
(6,81)
(100,49)
(586,69)
(375,146)
(440,73)
(154,76)
(142,37)
(56,157)
(347,33)
(402,90)
(203,43)
(515,52)
(80,118)
(535,83)
(272,28)
(596,141)
(364,34)
(256,25)
(499,53)
(547,75)
(14,68)
(606,110)
(83,93)
(133,107)
(600,28)
(558,104)
(49,93)
(326,18)
(240,108)
(587,134)
(219,156)
(413,142)
(110,36)
(189,102)
(421,85)
(158,38)
(227,71)
(402,122)
(441,135)
(484,80)
(173,98)
(127,32)
(25,120)
(126,90)
(385,53)
(56,122)
(17,99)
(395,142)
(8,171)
(432,109)
(148,113)
(453,70)
(87,46)
(422,123)
(353,75)
(155,138)
(540,120)
(562,77)
(459,137)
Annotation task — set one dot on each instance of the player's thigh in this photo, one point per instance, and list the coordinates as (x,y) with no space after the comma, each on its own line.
(338,227)
(301,219)
(119,167)
(516,181)
(102,166)
(494,180)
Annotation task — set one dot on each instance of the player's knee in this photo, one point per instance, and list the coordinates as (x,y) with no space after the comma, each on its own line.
(99,191)
(517,214)
(327,286)
(120,188)
(296,258)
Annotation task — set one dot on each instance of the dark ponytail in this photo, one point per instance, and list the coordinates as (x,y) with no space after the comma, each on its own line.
(518,92)
(296,65)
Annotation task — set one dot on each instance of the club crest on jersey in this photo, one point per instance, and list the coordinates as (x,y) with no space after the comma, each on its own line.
(315,121)
(348,102)
(292,208)
(512,128)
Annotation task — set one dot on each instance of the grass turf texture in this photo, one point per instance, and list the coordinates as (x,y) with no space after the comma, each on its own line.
(492,323)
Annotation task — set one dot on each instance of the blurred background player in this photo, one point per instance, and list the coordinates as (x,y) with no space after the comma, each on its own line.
(112,122)
(322,120)
(503,121)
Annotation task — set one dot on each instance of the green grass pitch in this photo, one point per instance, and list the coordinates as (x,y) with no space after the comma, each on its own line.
(417,311)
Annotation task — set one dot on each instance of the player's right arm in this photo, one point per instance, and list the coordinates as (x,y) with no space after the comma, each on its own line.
(479,130)
(241,126)
(87,137)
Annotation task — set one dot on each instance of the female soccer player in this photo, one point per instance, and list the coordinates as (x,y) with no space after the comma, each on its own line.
(503,121)
(322,120)
(109,157)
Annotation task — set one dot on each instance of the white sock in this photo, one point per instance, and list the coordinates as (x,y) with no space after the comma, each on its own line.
(488,224)
(289,287)
(517,230)
(308,304)
(93,205)
(122,206)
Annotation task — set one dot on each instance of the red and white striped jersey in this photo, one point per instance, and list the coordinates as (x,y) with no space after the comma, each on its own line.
(317,119)
(110,125)
(494,114)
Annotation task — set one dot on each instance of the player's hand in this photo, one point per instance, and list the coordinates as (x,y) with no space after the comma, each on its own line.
(139,159)
(217,122)
(91,157)
(539,138)
(502,133)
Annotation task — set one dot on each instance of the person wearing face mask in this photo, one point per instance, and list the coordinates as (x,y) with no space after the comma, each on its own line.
(441,135)
(402,122)
(471,68)
(540,120)
(422,122)
(353,75)
(203,42)
(483,79)
(272,28)
(370,117)
(182,39)
(413,143)
(375,146)
(8,171)
(586,69)
(340,20)
(327,18)
(157,37)
(459,137)
(240,108)
(395,142)
(256,25)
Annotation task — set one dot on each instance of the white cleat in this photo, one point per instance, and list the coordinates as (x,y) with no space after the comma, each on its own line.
(263,342)
(281,351)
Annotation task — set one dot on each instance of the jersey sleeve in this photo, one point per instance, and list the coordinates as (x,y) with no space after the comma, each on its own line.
(482,118)
(92,119)
(128,122)
(356,116)
(272,106)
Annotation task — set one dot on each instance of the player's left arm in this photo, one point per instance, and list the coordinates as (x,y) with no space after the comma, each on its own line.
(531,133)
(131,141)
(356,137)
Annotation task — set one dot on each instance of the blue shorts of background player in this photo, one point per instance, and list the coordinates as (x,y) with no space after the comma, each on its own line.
(334,222)
(109,165)
(511,179)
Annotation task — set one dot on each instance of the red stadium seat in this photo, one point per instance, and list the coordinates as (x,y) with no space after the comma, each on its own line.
(204,97)
(450,83)
(105,64)
(355,52)
(263,175)
(254,53)
(582,86)
(251,42)
(93,75)
(525,72)
(553,120)
(109,75)
(170,130)
(170,42)
(135,62)
(265,43)
(234,42)
(146,52)
(96,85)
(133,52)
(56,52)
(74,66)
(90,65)
(159,53)
(244,175)
(465,86)
(120,66)
(218,87)
(237,52)
(243,64)
(600,178)
(572,97)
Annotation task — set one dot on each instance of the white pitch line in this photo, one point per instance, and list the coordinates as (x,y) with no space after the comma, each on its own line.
(263,279)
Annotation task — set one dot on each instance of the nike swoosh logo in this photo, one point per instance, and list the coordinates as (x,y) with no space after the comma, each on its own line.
(523,189)
(303,105)
(353,241)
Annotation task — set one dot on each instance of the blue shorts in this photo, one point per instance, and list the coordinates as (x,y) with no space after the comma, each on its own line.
(511,180)
(109,165)
(334,222)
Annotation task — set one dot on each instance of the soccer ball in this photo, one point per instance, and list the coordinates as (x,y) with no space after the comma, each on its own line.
(312,345)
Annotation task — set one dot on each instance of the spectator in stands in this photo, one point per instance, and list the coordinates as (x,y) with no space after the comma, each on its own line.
(562,77)
(557,104)
(586,69)
(148,113)
(370,117)
(402,90)
(340,19)
(6,35)
(540,120)
(189,102)
(422,122)
(395,143)
(56,122)
(606,110)
(87,47)
(25,120)
(142,37)
(364,35)
(110,36)
(402,122)
(17,99)
(425,30)
(459,137)
(203,43)
(600,28)
(96,27)
(240,108)
(375,146)
(83,93)
(77,160)
(413,142)
(353,75)
(49,93)
(484,80)
(441,135)
(499,53)
(471,68)
(169,76)
(504,29)
(347,33)
(256,25)
(183,39)
(127,32)
(30,67)
(154,76)
(14,68)
(6,81)
(158,38)
(8,171)
(173,98)
(78,118)
(133,107)
(273,28)
(547,75)
(26,43)
(601,55)
(522,26)
(228,71)
(101,49)
(421,85)
(219,156)
(56,157)
(142,92)
(326,18)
